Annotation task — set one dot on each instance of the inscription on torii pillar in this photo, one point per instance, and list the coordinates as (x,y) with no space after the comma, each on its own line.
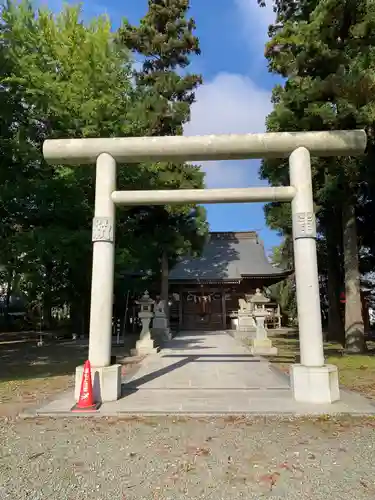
(304,225)
(102,229)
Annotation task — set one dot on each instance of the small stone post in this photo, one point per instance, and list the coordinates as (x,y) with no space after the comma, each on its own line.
(312,381)
(145,344)
(261,344)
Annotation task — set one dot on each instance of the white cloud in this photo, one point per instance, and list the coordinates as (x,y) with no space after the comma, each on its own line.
(255,21)
(233,103)
(250,10)
(229,104)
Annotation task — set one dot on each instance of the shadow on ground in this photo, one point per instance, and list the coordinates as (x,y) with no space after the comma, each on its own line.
(132,386)
(22,359)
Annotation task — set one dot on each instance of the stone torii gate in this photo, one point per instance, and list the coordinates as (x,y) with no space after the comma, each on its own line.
(312,380)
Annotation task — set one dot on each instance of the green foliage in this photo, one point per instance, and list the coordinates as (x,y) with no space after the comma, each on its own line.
(61,78)
(284,292)
(329,71)
(70,80)
(177,232)
(165,40)
(325,51)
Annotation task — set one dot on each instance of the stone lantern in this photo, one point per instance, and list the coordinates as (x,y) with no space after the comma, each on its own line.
(261,344)
(145,344)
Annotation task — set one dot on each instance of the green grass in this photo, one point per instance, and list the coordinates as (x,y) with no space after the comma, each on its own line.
(356,372)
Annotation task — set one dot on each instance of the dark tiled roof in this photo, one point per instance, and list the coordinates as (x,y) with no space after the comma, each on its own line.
(227,256)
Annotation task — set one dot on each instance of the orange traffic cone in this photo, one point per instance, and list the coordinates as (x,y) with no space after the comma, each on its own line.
(86,399)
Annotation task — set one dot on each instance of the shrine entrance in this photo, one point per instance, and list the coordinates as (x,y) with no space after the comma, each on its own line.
(312,381)
(202,309)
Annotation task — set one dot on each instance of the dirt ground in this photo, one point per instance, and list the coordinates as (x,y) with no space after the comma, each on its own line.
(177,458)
(30,374)
(173,458)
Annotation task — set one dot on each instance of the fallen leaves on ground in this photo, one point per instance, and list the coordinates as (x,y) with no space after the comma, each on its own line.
(270,479)
(199,452)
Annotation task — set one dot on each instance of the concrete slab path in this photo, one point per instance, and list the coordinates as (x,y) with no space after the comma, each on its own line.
(210,373)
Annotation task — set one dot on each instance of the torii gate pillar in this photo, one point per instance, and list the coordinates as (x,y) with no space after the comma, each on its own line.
(312,381)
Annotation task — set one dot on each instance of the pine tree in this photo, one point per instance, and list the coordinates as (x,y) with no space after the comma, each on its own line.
(165,42)
(329,69)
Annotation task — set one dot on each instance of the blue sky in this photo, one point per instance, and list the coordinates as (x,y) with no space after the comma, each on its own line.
(235,96)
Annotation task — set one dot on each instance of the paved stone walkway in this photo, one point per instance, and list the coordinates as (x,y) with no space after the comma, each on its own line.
(210,373)
(209,361)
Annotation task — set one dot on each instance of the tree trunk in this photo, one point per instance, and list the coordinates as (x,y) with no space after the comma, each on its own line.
(47,295)
(335,324)
(47,312)
(365,313)
(354,329)
(164,281)
(9,291)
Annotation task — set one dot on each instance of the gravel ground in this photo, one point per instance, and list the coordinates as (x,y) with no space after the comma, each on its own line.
(175,458)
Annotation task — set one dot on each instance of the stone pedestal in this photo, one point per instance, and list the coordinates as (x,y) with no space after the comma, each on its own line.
(144,346)
(160,328)
(245,322)
(234,322)
(315,384)
(106,383)
(262,347)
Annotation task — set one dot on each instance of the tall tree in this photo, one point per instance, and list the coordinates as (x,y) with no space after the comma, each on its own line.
(70,80)
(65,78)
(165,41)
(329,71)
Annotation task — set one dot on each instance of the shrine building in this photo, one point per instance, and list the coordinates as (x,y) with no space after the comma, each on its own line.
(206,290)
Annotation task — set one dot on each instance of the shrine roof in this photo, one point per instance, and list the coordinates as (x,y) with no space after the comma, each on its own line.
(228,256)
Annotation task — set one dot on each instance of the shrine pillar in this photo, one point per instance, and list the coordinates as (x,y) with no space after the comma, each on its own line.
(106,378)
(312,380)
